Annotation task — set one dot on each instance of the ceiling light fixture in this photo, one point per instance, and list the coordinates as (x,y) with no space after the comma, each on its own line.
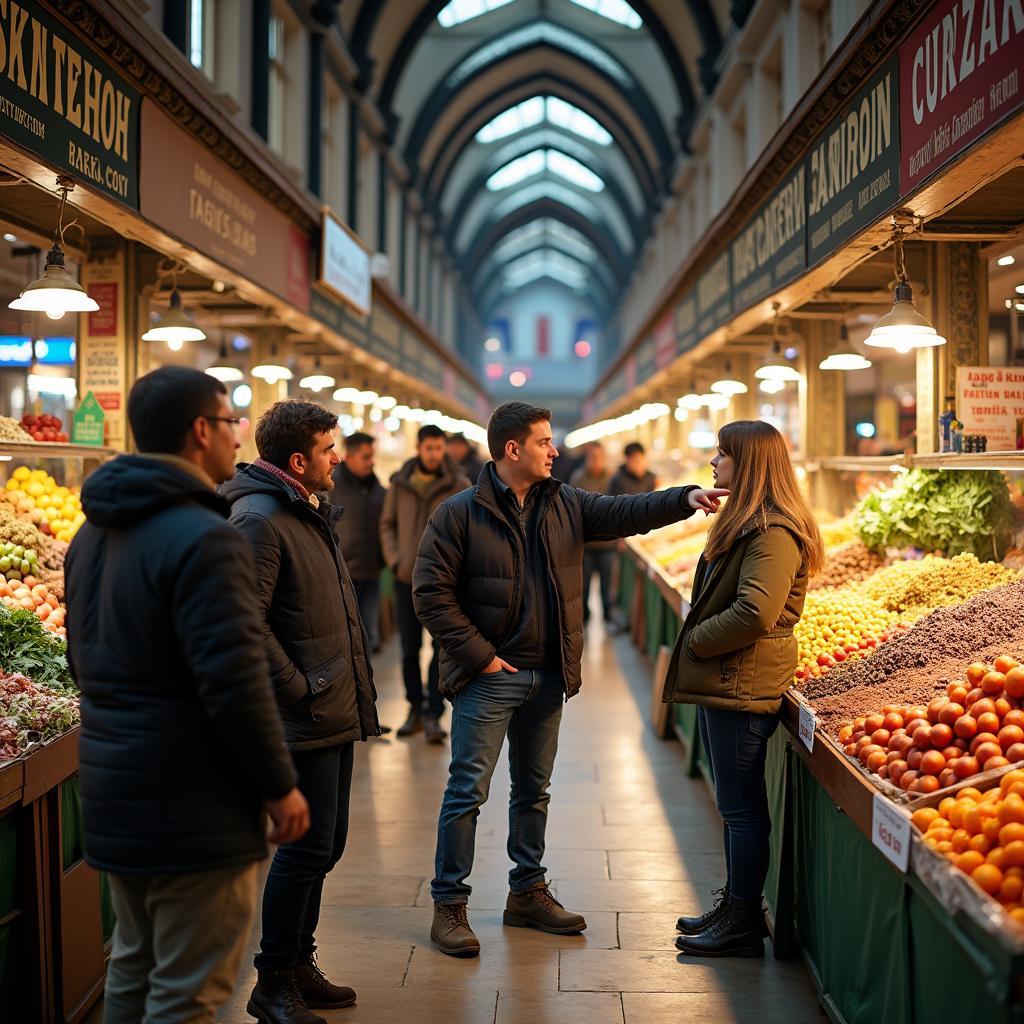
(1003,261)
(56,292)
(775,366)
(317,380)
(727,385)
(272,372)
(844,358)
(903,328)
(221,370)
(772,387)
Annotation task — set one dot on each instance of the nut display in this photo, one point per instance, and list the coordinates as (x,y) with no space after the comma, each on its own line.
(11,432)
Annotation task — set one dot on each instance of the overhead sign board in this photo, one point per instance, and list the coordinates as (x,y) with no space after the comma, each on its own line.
(714,296)
(686,321)
(853,167)
(63,102)
(191,194)
(771,249)
(960,74)
(665,341)
(344,264)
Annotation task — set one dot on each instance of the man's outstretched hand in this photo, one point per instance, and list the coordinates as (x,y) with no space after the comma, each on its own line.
(707,500)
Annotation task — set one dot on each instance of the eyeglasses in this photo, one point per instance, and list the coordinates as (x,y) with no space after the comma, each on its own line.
(233,420)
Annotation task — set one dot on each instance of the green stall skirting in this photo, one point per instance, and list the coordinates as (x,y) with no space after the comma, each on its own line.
(880,947)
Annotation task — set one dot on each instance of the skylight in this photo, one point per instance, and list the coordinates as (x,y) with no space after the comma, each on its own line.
(614,10)
(545,231)
(545,263)
(540,160)
(539,109)
(545,190)
(459,11)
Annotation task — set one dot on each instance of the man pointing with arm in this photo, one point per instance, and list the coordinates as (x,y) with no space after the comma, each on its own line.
(499,585)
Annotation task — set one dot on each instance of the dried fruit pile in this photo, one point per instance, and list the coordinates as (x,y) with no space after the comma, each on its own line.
(54,509)
(30,713)
(977,725)
(847,564)
(915,588)
(982,834)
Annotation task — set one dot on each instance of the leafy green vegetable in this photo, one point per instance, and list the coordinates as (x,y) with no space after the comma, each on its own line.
(26,647)
(951,512)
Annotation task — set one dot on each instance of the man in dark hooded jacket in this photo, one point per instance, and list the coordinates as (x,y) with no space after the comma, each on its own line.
(181,746)
(320,668)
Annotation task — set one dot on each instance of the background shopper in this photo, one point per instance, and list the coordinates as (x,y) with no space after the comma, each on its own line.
(314,640)
(181,746)
(633,476)
(598,556)
(735,658)
(465,456)
(416,490)
(359,493)
(499,584)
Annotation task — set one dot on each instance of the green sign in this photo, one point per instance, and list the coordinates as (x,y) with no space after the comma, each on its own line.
(87,425)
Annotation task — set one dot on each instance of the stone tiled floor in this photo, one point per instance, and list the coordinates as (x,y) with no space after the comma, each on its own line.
(632,844)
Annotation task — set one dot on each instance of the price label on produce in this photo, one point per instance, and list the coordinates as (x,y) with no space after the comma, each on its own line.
(890,832)
(808,723)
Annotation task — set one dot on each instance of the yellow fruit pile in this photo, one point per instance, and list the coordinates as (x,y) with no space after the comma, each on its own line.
(982,834)
(916,588)
(836,533)
(54,509)
(838,625)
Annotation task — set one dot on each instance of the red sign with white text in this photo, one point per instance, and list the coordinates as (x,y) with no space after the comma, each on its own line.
(960,74)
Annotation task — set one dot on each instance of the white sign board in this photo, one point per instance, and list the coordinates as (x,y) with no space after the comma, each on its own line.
(344,264)
(808,723)
(990,401)
(890,832)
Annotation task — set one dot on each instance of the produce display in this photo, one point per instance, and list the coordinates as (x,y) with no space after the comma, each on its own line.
(54,509)
(30,713)
(976,726)
(848,563)
(982,835)
(44,428)
(965,511)
(11,431)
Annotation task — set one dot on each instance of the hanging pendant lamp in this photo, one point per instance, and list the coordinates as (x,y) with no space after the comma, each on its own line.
(272,371)
(221,370)
(728,385)
(317,380)
(844,358)
(175,326)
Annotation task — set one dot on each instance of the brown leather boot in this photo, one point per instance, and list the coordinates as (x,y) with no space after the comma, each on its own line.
(317,991)
(537,908)
(451,930)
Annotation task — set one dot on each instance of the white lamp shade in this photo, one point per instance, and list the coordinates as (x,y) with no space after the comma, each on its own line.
(272,373)
(56,292)
(903,328)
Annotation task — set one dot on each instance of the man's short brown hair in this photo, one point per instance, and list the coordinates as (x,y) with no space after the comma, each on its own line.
(512,421)
(289,427)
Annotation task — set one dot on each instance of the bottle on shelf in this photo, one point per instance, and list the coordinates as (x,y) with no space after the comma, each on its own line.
(946,418)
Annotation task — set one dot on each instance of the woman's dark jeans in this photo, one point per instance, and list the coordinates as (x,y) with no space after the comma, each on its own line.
(736,743)
(291,897)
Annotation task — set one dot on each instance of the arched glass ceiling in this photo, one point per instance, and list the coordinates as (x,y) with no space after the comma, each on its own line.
(544,190)
(613,10)
(540,109)
(459,11)
(545,230)
(545,263)
(540,160)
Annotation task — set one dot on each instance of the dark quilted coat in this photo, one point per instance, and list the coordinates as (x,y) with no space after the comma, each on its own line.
(468,575)
(181,740)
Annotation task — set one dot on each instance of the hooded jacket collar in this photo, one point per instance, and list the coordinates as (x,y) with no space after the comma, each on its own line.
(251,479)
(131,488)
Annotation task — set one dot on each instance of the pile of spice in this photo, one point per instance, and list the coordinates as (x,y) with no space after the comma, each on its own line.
(915,666)
(850,563)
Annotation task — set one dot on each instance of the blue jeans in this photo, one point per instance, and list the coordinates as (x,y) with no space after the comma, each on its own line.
(736,743)
(527,707)
(291,897)
(368,599)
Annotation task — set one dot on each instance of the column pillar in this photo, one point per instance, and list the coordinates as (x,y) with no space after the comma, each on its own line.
(264,395)
(957,304)
(822,399)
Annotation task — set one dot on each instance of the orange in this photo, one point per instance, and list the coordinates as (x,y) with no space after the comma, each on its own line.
(990,830)
(970,793)
(961,839)
(995,857)
(924,817)
(968,861)
(946,808)
(1011,889)
(944,846)
(1011,809)
(1014,872)
(1017,915)
(982,844)
(943,835)
(1013,854)
(1017,775)
(974,822)
(988,878)
(957,812)
(1008,833)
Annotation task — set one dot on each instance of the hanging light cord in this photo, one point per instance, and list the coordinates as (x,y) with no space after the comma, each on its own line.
(898,261)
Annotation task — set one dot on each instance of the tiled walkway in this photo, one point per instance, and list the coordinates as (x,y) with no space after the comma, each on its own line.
(631,844)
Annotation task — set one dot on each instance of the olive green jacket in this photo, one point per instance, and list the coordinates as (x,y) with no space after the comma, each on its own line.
(736,649)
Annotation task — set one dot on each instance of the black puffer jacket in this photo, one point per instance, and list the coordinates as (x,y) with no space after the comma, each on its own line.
(362,501)
(181,741)
(468,576)
(312,632)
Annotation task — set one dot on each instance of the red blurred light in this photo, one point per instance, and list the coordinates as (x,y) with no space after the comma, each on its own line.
(583,349)
(493,371)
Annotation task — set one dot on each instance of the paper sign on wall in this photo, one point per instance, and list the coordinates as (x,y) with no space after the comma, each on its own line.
(990,401)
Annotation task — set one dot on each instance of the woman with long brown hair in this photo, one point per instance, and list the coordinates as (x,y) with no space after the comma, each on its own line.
(736,656)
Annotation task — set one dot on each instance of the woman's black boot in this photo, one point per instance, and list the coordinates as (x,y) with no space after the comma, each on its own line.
(696,925)
(736,932)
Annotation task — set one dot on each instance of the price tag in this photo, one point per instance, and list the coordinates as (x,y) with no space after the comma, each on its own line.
(890,832)
(808,723)
(652,573)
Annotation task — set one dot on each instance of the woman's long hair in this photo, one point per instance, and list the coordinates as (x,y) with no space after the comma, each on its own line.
(763,481)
